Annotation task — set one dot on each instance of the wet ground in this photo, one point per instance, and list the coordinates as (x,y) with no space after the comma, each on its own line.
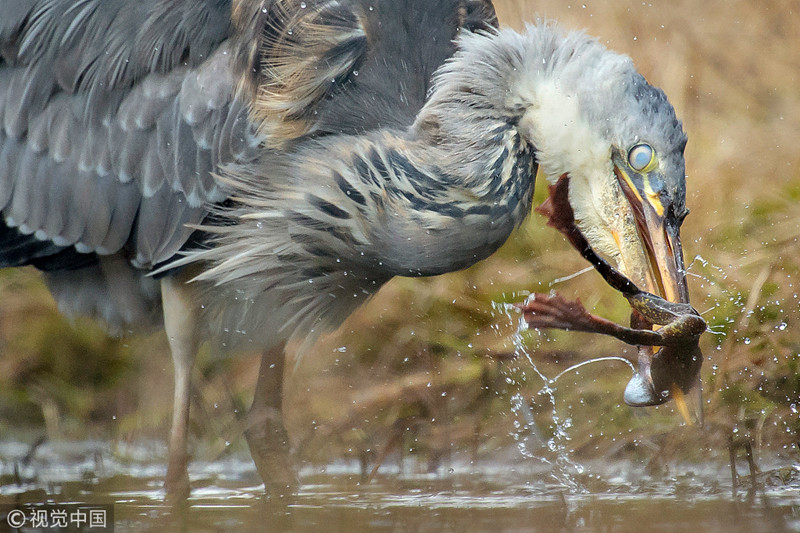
(519,497)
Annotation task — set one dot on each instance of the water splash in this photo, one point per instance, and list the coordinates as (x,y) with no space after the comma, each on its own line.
(531,440)
(526,433)
(595,360)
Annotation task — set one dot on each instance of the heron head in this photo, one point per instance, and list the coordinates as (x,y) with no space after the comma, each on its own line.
(596,119)
(619,140)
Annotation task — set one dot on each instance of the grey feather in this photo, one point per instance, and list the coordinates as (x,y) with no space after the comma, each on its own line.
(208,88)
(5,81)
(93,144)
(81,190)
(24,189)
(111,291)
(185,173)
(118,42)
(38,132)
(148,101)
(59,197)
(159,218)
(8,167)
(15,12)
(243,139)
(131,147)
(149,88)
(98,218)
(184,218)
(63,129)
(204,132)
(147,142)
(221,151)
(153,177)
(164,134)
(122,219)
(27,95)
(208,185)
(37,211)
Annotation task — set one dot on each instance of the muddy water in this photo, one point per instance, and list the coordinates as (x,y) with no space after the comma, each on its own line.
(518,497)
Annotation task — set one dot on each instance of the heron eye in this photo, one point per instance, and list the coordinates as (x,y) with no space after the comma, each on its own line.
(640,156)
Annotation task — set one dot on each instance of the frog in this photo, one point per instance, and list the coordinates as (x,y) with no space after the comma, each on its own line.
(668,373)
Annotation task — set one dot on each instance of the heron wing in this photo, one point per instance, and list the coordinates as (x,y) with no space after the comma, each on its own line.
(346,67)
(115,116)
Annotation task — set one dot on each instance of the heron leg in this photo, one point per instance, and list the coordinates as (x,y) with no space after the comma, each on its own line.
(180,323)
(265,433)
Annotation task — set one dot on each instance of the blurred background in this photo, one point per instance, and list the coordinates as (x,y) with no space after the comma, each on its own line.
(438,368)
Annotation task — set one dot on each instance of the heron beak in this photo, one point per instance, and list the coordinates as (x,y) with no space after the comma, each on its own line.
(660,237)
(664,276)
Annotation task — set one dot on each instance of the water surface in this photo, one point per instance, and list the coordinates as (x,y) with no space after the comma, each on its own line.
(522,496)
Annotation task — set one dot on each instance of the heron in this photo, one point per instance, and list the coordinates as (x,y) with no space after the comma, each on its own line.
(255,170)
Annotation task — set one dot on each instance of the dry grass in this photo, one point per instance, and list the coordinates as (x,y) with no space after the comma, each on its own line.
(424,365)
(732,72)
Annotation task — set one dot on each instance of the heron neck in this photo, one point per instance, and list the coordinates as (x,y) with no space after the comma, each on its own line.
(548,85)
(445,206)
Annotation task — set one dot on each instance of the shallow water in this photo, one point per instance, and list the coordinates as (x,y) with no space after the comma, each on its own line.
(518,497)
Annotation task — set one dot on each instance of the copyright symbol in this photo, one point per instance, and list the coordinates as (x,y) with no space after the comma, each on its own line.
(16,518)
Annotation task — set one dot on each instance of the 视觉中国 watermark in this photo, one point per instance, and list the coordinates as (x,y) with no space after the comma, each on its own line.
(56,518)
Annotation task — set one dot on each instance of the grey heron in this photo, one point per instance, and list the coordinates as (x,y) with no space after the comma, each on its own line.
(321,147)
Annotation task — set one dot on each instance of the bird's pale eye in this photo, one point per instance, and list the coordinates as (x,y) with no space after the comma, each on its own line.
(640,156)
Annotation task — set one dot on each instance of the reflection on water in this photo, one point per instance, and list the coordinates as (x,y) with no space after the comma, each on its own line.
(227,496)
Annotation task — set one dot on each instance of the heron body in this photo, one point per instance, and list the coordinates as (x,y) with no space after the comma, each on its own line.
(322,148)
(348,213)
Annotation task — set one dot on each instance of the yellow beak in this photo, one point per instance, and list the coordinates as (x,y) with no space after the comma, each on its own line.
(660,238)
(664,275)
